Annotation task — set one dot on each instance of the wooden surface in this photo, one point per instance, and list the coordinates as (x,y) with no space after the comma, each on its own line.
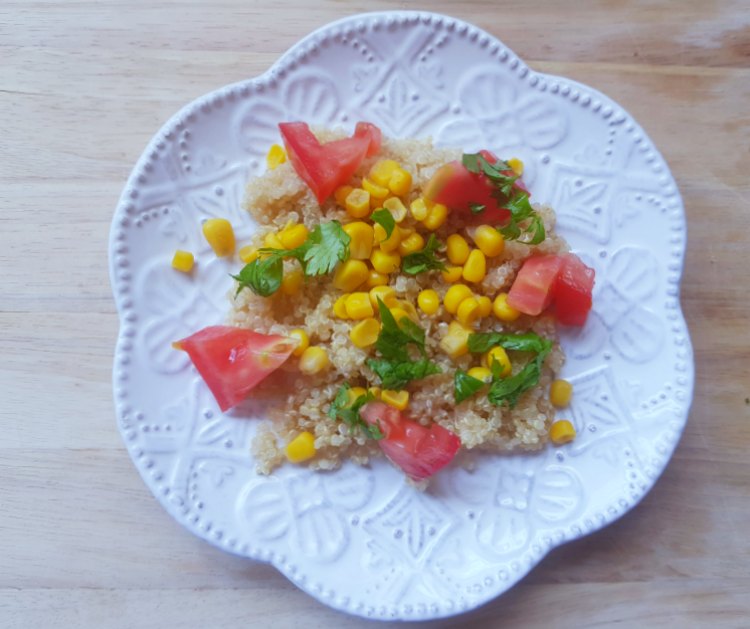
(84,85)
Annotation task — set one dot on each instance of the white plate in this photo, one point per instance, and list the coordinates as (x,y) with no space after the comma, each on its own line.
(362,540)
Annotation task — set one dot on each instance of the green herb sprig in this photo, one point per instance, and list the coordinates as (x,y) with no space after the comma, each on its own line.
(349,414)
(424,260)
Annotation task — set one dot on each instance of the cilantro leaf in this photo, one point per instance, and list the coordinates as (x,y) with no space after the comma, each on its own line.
(262,276)
(385,219)
(395,337)
(340,409)
(480,342)
(509,390)
(325,247)
(424,260)
(471,162)
(396,375)
(477,208)
(464,386)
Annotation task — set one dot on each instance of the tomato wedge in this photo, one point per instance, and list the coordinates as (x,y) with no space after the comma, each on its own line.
(572,291)
(419,451)
(325,167)
(232,361)
(532,290)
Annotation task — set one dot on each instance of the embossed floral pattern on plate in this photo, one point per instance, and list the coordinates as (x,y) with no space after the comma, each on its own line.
(485,523)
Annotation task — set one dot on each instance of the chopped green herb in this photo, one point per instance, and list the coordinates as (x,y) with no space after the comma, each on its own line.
(396,375)
(530,342)
(341,410)
(509,390)
(477,208)
(385,219)
(464,386)
(262,276)
(424,260)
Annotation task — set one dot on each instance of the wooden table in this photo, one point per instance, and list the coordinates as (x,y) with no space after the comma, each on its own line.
(84,85)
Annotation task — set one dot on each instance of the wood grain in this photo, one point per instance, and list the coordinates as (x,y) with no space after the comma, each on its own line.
(84,85)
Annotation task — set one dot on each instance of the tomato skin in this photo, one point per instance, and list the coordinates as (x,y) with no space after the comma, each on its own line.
(232,361)
(533,288)
(325,167)
(418,450)
(572,290)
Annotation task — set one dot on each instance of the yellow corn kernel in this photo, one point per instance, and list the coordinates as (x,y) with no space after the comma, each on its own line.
(485,306)
(272,241)
(350,275)
(292,282)
(376,279)
(419,209)
(353,393)
(313,360)
(456,342)
(455,295)
(341,193)
(378,194)
(389,243)
(361,235)
(400,182)
(481,373)
(560,393)
(375,392)
(248,253)
(358,306)
(293,236)
(397,209)
(339,307)
(562,432)
(301,448)
(457,249)
(411,244)
(399,313)
(397,399)
(382,170)
(384,262)
(386,294)
(499,355)
(476,266)
(220,235)
(409,309)
(517,165)
(436,216)
(183,261)
(490,241)
(276,156)
(468,311)
(357,203)
(303,338)
(502,310)
(428,301)
(452,274)
(365,333)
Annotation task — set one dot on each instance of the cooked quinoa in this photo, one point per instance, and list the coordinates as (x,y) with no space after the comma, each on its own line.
(300,402)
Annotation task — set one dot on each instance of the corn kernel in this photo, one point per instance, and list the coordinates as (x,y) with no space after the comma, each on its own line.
(339,307)
(468,311)
(517,165)
(428,301)
(272,241)
(301,448)
(436,216)
(376,279)
(485,306)
(502,310)
(452,274)
(411,244)
(365,333)
(409,309)
(490,241)
(382,170)
(220,235)
(183,261)
(341,193)
(476,267)
(378,194)
(293,236)
(560,393)
(350,275)
(562,432)
(354,393)
(457,249)
(303,338)
(455,295)
(314,360)
(418,209)
(481,373)
(396,207)
(292,282)
(384,262)
(358,306)
(499,355)
(248,253)
(389,243)
(400,182)
(357,203)
(361,235)
(397,399)
(276,156)
(456,342)
(386,294)
(375,392)
(398,313)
